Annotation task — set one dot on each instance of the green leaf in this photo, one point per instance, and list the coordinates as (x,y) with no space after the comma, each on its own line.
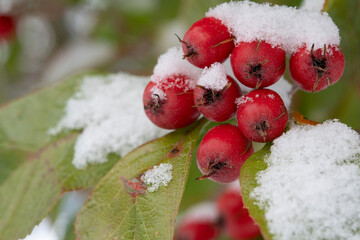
(112,213)
(36,168)
(249,170)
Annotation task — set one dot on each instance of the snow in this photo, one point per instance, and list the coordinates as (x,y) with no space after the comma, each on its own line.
(314,5)
(283,26)
(311,187)
(109,110)
(214,77)
(243,100)
(172,64)
(158,176)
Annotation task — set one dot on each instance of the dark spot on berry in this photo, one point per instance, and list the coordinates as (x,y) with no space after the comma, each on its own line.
(220,221)
(217,165)
(262,126)
(211,96)
(154,104)
(319,64)
(255,70)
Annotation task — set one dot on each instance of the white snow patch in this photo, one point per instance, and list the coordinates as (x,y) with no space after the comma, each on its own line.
(109,110)
(313,5)
(283,26)
(214,77)
(157,176)
(243,99)
(311,187)
(172,63)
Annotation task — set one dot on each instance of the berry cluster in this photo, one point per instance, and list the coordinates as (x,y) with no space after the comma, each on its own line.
(177,99)
(228,215)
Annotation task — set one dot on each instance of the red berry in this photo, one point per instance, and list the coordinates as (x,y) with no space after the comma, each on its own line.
(261,115)
(257,64)
(207,41)
(215,105)
(222,152)
(169,103)
(7,27)
(197,230)
(237,221)
(315,70)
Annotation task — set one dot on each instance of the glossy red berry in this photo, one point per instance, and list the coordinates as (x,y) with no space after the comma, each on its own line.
(314,70)
(237,222)
(197,230)
(216,105)
(257,64)
(261,115)
(7,27)
(169,103)
(207,41)
(222,152)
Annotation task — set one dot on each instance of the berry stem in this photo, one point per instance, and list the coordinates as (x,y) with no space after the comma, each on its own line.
(223,42)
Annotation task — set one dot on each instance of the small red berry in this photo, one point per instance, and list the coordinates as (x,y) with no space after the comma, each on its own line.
(222,152)
(197,230)
(315,70)
(217,106)
(7,27)
(237,222)
(207,41)
(261,115)
(169,103)
(257,64)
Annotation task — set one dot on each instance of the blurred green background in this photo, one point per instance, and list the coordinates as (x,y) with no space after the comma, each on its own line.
(58,38)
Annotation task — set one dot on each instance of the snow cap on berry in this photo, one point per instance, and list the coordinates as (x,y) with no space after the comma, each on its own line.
(214,77)
(172,63)
(311,187)
(283,26)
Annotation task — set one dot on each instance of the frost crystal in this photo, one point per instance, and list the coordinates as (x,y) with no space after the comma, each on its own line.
(311,187)
(109,110)
(157,176)
(243,99)
(214,77)
(282,26)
